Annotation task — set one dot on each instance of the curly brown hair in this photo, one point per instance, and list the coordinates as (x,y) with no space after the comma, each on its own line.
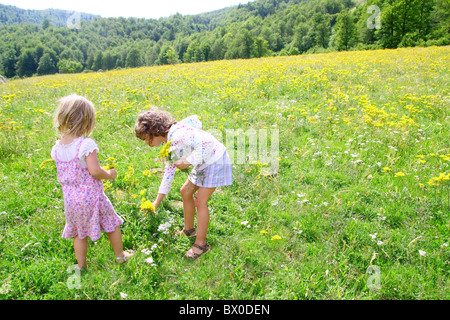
(153,123)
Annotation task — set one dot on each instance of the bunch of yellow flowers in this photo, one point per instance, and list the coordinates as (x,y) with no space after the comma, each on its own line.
(147,205)
(164,153)
(111,163)
(434,182)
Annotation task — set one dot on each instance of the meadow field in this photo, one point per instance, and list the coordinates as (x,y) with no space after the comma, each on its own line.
(358,209)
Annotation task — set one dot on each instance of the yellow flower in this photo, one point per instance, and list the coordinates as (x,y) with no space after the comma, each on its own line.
(399,174)
(110,164)
(263,232)
(44,163)
(147,173)
(385,169)
(147,205)
(276,237)
(107,185)
(164,153)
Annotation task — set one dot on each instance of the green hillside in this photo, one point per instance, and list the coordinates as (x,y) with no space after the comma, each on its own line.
(257,29)
(10,15)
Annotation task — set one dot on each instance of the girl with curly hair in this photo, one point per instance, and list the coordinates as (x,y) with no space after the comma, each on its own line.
(189,146)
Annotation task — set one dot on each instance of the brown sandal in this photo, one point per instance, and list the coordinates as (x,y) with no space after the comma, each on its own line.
(193,255)
(189,233)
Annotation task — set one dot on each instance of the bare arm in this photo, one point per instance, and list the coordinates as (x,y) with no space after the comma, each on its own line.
(96,170)
(158,200)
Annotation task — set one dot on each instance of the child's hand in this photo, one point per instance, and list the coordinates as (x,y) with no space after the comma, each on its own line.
(113,173)
(156,204)
(182,164)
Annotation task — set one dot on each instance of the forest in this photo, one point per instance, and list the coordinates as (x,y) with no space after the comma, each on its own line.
(34,43)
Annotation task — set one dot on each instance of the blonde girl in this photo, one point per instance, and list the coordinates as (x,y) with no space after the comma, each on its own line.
(87,209)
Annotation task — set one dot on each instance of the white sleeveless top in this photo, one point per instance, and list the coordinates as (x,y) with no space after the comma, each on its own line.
(67,152)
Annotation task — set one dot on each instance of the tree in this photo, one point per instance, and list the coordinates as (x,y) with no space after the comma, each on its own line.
(321,29)
(193,53)
(47,65)
(108,62)
(69,66)
(218,50)
(303,38)
(345,31)
(98,61)
(205,49)
(246,44)
(440,19)
(134,58)
(167,55)
(406,21)
(261,47)
(425,8)
(389,32)
(46,23)
(38,52)
(26,65)
(9,61)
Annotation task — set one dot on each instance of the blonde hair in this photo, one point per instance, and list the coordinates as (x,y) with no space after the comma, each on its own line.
(75,115)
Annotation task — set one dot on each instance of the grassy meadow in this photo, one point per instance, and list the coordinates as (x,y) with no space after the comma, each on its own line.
(363,181)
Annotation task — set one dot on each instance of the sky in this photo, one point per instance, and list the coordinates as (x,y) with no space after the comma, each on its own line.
(128,8)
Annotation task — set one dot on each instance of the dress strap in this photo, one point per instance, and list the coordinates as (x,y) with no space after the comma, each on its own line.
(79,147)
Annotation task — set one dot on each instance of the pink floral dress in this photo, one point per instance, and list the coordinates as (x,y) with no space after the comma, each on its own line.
(87,209)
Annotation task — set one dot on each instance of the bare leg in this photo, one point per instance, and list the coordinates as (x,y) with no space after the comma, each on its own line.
(80,247)
(201,202)
(115,238)
(187,193)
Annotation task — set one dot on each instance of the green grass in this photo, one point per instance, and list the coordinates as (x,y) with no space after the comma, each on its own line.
(306,233)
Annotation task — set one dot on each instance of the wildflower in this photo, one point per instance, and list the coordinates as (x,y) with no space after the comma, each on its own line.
(149,260)
(263,232)
(380,242)
(373,236)
(276,237)
(147,173)
(110,163)
(107,185)
(386,169)
(164,153)
(42,165)
(164,227)
(123,295)
(399,174)
(146,251)
(245,223)
(147,205)
(422,253)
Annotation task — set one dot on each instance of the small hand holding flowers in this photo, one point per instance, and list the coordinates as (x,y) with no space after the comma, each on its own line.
(165,154)
(111,164)
(147,205)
